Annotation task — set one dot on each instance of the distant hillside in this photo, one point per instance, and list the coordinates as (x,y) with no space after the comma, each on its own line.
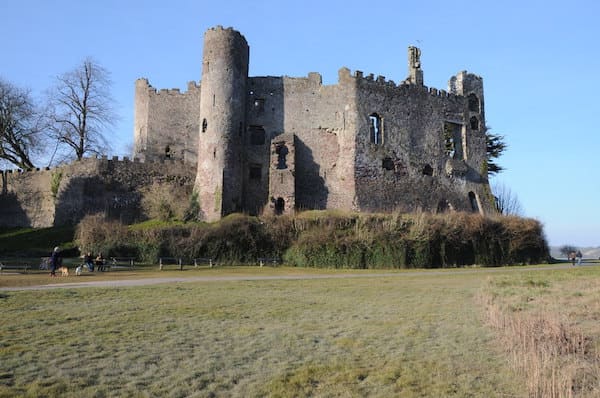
(588,252)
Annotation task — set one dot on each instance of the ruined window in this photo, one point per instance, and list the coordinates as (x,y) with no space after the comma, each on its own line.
(259,105)
(281,150)
(375,129)
(452,140)
(255,172)
(204,125)
(279,206)
(427,170)
(168,152)
(257,135)
(473,103)
(387,163)
(474,123)
(473,201)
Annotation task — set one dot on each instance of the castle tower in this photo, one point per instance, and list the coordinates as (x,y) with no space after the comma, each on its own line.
(415,73)
(222,116)
(140,118)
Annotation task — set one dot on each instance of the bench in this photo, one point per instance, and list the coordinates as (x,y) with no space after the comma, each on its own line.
(122,262)
(204,260)
(275,261)
(162,261)
(16,267)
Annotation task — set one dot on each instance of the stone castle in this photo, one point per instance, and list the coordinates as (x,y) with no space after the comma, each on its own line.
(280,144)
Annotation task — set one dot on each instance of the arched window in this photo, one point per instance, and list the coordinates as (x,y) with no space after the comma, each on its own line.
(282,152)
(473,103)
(375,129)
(473,201)
(427,170)
(279,206)
(474,123)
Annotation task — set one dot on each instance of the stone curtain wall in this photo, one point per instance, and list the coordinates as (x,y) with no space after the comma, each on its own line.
(64,195)
(166,122)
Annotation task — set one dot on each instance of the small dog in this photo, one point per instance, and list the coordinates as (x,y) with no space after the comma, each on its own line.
(64,271)
(78,270)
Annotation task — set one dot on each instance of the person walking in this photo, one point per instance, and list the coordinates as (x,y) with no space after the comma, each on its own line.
(54,261)
(579,256)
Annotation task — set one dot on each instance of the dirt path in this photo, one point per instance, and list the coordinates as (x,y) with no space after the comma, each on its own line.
(155,281)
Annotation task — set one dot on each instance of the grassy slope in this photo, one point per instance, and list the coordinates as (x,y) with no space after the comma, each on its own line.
(34,242)
(401,335)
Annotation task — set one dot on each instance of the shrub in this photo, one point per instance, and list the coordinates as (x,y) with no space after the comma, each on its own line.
(329,239)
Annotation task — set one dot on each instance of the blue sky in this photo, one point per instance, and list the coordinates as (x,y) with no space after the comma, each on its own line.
(539,61)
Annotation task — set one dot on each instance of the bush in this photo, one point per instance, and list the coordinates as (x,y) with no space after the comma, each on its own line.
(329,239)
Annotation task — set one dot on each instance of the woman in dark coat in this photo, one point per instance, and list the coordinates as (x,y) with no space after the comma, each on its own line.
(54,261)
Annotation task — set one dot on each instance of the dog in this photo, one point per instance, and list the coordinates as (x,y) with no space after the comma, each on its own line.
(78,270)
(64,271)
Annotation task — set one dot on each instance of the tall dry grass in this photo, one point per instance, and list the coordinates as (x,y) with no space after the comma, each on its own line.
(557,359)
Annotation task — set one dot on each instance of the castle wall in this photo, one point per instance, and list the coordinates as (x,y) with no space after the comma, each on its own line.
(322,118)
(166,123)
(409,168)
(64,195)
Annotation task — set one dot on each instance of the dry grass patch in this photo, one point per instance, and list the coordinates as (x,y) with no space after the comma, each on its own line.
(549,327)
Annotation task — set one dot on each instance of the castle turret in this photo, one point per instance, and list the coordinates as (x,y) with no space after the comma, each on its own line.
(415,73)
(222,116)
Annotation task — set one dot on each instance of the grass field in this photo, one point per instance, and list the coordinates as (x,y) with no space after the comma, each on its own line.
(429,334)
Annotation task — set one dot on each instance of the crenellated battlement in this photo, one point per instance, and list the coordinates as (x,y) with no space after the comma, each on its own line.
(93,161)
(360,78)
(144,84)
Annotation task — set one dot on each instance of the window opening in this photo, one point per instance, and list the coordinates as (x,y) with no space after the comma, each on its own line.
(241,129)
(444,206)
(473,103)
(473,201)
(168,152)
(257,135)
(375,129)
(204,125)
(255,172)
(282,152)
(427,170)
(474,123)
(279,206)
(387,163)
(452,140)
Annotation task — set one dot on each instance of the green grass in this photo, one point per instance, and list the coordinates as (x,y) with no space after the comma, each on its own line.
(409,335)
(35,242)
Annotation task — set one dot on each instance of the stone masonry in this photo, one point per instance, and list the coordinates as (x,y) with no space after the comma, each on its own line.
(277,144)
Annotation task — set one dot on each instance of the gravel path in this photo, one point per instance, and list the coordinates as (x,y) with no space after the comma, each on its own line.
(155,281)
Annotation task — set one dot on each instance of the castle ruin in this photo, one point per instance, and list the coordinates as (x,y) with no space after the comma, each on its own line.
(275,145)
(279,144)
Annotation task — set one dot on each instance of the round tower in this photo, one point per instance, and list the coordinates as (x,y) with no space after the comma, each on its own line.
(222,119)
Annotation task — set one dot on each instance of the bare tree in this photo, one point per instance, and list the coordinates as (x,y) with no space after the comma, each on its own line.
(81,108)
(507,202)
(20,127)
